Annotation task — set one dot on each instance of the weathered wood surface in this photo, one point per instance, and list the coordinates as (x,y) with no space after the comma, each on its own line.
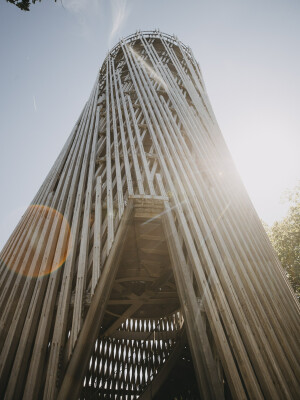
(145,170)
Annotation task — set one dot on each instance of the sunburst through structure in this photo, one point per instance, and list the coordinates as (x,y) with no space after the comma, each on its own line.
(141,269)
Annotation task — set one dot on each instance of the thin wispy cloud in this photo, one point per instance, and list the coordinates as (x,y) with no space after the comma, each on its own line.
(34,104)
(77,6)
(86,12)
(120,12)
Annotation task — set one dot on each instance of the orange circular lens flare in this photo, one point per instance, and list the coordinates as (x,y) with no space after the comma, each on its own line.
(44,243)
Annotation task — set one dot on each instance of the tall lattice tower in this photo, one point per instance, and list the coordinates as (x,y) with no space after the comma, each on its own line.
(141,269)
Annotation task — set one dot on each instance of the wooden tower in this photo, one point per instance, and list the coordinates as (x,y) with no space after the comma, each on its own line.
(141,269)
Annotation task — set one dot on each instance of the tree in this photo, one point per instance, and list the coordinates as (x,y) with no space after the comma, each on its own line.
(285,238)
(23,4)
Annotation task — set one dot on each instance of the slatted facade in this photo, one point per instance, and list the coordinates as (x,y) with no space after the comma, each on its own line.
(142,257)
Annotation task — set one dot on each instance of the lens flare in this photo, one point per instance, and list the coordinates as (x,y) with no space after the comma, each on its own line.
(37,256)
(150,70)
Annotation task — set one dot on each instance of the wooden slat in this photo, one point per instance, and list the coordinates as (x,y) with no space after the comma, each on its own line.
(97,235)
(116,147)
(109,194)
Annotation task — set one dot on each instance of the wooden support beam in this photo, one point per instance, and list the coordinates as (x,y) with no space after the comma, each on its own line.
(74,374)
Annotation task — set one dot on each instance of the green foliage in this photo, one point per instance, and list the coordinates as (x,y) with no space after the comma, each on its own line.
(285,237)
(23,4)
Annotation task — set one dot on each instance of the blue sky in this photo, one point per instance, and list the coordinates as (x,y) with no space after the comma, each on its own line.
(248,50)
